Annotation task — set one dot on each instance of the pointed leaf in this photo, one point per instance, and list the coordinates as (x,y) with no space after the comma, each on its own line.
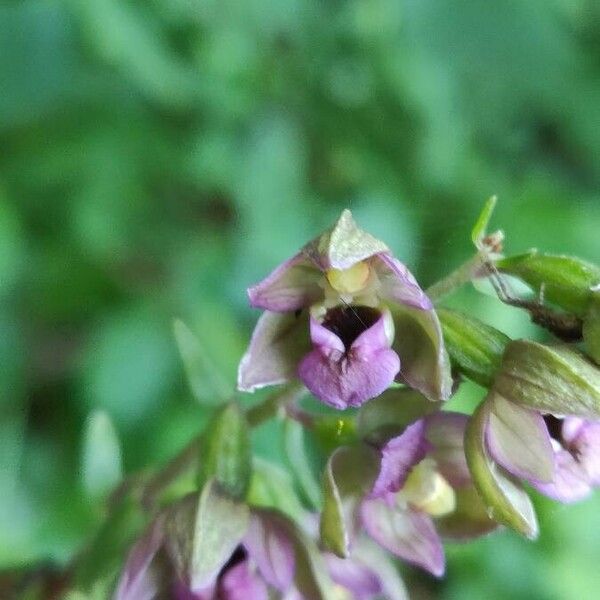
(206,382)
(480,228)
(297,456)
(348,476)
(101,460)
(505,500)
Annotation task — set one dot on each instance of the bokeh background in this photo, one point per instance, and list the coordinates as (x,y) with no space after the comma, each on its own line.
(157,156)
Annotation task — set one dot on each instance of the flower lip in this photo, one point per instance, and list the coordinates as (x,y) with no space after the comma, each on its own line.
(349,322)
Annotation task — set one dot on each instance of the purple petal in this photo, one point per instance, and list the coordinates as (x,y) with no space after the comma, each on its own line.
(343,245)
(270,547)
(398,283)
(292,285)
(342,379)
(420,346)
(137,581)
(241,583)
(583,437)
(398,457)
(445,433)
(408,534)
(570,483)
(518,439)
(278,343)
(358,579)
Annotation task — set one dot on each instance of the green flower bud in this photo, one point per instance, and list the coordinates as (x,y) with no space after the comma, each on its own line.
(226,451)
(475,348)
(591,328)
(553,379)
(567,281)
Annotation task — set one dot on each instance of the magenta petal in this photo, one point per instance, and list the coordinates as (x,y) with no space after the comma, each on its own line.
(357,578)
(278,343)
(271,549)
(408,534)
(342,379)
(241,583)
(570,483)
(292,285)
(583,436)
(398,457)
(398,283)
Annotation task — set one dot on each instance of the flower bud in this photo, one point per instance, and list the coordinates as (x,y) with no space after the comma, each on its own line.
(566,281)
(553,379)
(475,348)
(226,451)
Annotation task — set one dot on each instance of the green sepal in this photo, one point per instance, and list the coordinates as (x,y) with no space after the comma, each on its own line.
(475,348)
(554,379)
(567,281)
(226,453)
(505,500)
(591,329)
(348,476)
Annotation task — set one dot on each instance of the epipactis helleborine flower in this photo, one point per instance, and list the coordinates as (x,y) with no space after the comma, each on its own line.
(558,456)
(348,319)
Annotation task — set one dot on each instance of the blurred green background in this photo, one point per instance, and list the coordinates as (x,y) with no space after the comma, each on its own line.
(158,156)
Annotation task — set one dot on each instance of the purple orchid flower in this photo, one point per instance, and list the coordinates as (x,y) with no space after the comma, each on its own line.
(348,319)
(557,456)
(422,492)
(262,562)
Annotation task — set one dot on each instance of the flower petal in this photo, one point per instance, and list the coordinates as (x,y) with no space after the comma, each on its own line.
(241,583)
(342,379)
(445,433)
(292,285)
(420,346)
(398,456)
(269,546)
(518,439)
(570,483)
(408,534)
(278,343)
(358,579)
(343,245)
(584,437)
(398,283)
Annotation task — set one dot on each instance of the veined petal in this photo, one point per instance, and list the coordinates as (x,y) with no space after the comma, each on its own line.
(408,534)
(420,346)
(343,245)
(518,439)
(398,456)
(397,282)
(278,343)
(240,582)
(349,378)
(445,434)
(270,547)
(292,285)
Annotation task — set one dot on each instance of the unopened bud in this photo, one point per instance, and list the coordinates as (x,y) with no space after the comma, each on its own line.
(591,328)
(565,281)
(553,379)
(475,348)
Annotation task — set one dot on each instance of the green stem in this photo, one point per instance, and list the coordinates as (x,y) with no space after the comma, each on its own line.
(472,269)
(275,403)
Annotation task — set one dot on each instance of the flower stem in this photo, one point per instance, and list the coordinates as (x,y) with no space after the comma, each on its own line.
(274,403)
(472,269)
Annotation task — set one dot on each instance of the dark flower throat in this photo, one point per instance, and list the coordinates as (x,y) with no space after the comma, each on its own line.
(348,322)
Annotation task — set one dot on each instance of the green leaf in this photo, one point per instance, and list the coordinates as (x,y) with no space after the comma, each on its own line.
(505,500)
(206,382)
(101,456)
(480,228)
(295,448)
(226,454)
(349,475)
(591,328)
(475,348)
(555,379)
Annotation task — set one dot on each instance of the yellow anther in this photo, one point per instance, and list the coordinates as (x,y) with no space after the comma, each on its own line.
(349,281)
(427,490)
